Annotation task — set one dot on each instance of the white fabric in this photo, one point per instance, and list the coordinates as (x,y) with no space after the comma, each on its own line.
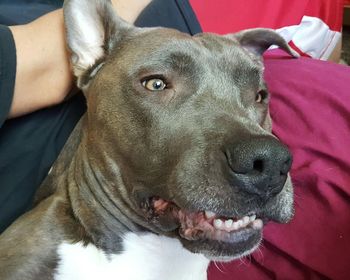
(312,36)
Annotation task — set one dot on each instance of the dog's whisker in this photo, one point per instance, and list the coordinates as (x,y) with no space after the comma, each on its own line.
(260,252)
(217,266)
(242,260)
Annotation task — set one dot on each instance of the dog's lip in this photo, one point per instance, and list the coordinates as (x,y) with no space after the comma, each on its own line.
(206,225)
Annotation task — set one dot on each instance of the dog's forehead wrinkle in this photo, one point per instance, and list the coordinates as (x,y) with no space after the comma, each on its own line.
(230,78)
(227,47)
(156,54)
(215,43)
(218,98)
(166,62)
(243,71)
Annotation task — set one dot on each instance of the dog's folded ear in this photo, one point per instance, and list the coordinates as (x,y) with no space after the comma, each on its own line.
(92,28)
(258,40)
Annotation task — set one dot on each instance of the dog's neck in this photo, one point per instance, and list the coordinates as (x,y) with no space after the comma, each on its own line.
(94,206)
(103,210)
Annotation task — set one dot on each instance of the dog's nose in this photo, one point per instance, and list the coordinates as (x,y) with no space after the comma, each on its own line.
(260,166)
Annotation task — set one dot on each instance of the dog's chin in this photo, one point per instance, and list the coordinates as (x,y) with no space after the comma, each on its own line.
(217,237)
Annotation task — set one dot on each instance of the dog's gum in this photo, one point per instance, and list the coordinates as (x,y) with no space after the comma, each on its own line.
(160,205)
(196,225)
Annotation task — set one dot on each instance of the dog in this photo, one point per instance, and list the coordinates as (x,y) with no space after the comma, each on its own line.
(172,166)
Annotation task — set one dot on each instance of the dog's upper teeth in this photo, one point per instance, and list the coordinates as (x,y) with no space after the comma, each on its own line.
(228,223)
(252,218)
(240,223)
(209,214)
(235,225)
(245,220)
(218,224)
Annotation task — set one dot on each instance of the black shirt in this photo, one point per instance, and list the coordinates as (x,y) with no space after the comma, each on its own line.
(30,144)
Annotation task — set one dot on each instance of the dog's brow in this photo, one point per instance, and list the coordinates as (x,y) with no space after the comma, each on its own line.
(179,62)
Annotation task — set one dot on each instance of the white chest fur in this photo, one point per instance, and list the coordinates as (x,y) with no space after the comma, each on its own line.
(145,257)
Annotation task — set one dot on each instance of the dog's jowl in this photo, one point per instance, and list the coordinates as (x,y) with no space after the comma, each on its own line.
(173,164)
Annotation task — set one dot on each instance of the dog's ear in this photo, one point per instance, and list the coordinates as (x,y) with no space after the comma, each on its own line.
(258,40)
(92,29)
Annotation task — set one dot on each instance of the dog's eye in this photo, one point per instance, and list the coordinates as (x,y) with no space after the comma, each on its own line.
(154,84)
(260,96)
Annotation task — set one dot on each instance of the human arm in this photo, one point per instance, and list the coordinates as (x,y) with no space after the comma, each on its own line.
(43,75)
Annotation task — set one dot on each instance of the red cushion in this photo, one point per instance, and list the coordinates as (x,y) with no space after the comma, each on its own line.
(226,16)
(312,28)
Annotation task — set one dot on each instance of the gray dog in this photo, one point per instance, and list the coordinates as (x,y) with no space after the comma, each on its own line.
(172,166)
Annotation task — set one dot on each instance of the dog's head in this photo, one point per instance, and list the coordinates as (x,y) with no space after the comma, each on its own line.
(178,128)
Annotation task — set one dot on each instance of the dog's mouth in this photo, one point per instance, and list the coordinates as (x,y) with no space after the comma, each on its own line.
(241,232)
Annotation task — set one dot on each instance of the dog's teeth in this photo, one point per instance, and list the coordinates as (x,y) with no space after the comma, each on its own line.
(218,223)
(209,214)
(228,224)
(245,220)
(235,225)
(252,218)
(257,224)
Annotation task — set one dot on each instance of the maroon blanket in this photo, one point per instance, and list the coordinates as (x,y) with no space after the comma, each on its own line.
(310,108)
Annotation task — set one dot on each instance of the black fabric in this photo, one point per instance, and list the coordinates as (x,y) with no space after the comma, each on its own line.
(7,71)
(176,14)
(14,12)
(30,144)
(28,147)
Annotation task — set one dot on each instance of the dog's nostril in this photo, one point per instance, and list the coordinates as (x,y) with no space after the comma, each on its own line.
(258,165)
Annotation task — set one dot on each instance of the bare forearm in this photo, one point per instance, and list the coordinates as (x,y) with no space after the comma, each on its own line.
(130,9)
(43,76)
